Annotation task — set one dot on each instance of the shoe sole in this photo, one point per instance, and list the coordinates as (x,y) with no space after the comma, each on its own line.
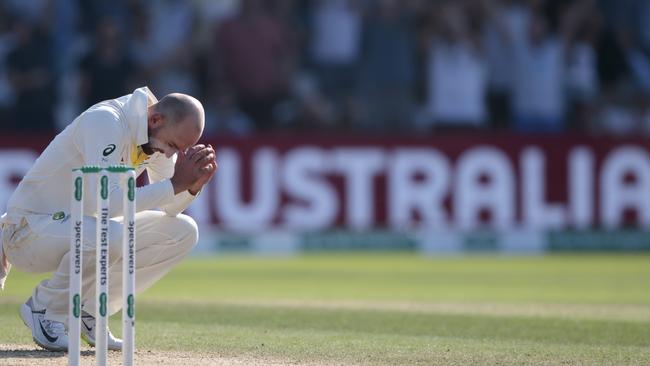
(26,316)
(92,344)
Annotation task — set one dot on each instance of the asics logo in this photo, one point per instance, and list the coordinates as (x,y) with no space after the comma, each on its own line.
(108,150)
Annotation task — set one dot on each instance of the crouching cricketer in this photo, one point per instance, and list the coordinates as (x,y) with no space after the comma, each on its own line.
(137,130)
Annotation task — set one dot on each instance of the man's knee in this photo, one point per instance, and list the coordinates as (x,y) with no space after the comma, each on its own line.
(188,231)
(182,228)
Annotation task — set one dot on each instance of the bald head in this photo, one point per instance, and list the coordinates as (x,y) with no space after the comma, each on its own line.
(174,123)
(182,109)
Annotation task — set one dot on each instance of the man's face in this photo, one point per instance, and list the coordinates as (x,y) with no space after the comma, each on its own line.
(168,138)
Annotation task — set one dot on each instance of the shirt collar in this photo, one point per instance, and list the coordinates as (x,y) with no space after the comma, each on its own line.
(136,108)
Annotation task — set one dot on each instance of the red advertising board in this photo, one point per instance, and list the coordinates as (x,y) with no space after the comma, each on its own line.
(464,181)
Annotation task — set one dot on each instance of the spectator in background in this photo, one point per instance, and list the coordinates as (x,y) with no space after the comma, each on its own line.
(624,105)
(312,110)
(6,45)
(582,67)
(612,115)
(335,50)
(293,14)
(513,63)
(456,69)
(162,48)
(637,61)
(92,12)
(387,75)
(223,115)
(107,68)
(634,39)
(641,24)
(254,58)
(31,75)
(209,14)
(498,54)
(64,34)
(612,66)
(637,49)
(35,12)
(539,69)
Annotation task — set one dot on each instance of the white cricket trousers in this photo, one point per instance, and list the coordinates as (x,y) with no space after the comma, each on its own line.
(161,242)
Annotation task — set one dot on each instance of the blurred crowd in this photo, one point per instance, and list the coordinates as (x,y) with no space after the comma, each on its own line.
(370,66)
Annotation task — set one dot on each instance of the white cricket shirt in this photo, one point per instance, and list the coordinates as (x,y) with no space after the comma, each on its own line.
(108,133)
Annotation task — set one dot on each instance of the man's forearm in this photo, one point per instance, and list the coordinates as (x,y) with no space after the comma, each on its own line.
(151,196)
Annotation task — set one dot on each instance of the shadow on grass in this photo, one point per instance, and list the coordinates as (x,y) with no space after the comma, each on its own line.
(36,353)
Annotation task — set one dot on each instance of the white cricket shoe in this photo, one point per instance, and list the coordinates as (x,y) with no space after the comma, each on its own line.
(48,334)
(88,333)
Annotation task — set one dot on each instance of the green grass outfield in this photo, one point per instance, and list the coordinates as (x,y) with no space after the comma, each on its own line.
(393,309)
